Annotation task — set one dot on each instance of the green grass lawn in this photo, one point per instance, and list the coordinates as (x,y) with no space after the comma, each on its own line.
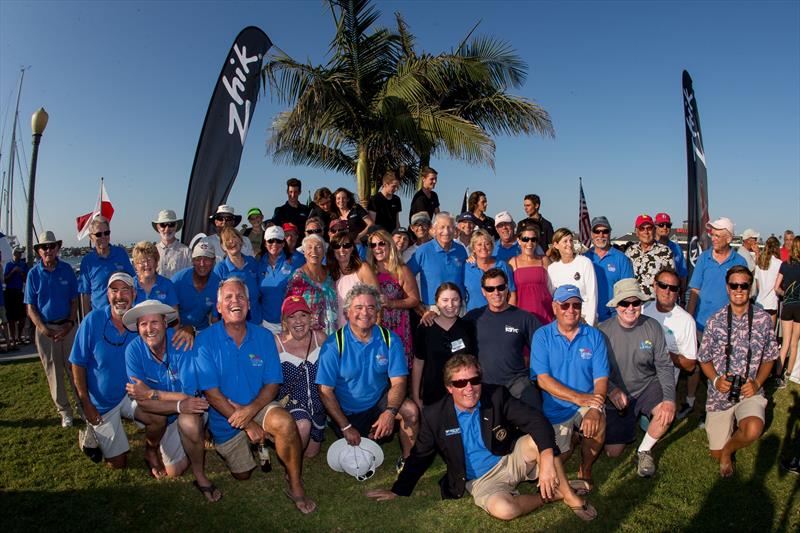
(47,483)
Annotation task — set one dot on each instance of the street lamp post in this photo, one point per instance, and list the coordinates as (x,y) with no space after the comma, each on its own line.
(38,124)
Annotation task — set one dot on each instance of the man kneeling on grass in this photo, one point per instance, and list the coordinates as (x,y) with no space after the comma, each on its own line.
(163,383)
(736,355)
(475,429)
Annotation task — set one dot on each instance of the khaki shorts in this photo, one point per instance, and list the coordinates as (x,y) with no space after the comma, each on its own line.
(509,472)
(110,433)
(565,429)
(719,424)
(236,451)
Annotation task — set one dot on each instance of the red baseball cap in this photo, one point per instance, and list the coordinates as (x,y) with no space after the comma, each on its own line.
(290,227)
(644,219)
(663,218)
(293,304)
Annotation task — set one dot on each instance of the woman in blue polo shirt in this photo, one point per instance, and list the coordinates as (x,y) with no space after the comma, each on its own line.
(148,284)
(275,268)
(480,260)
(241,266)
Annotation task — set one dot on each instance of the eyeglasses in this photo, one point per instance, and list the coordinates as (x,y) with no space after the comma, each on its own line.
(625,303)
(379,244)
(601,231)
(99,234)
(46,247)
(225,218)
(167,224)
(566,305)
(313,231)
(665,286)
(664,224)
(345,245)
(739,286)
(645,227)
(461,383)
(492,288)
(109,341)
(528,239)
(274,241)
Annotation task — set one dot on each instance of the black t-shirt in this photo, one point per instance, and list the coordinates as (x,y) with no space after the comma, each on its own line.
(545,230)
(386,210)
(296,215)
(502,340)
(317,211)
(436,346)
(791,282)
(420,202)
(488,224)
(355,219)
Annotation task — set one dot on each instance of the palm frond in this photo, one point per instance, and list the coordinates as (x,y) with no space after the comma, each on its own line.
(502,113)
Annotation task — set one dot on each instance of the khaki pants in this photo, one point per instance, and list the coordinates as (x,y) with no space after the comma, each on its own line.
(55,360)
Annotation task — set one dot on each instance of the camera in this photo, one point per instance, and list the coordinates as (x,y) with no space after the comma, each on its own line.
(736,388)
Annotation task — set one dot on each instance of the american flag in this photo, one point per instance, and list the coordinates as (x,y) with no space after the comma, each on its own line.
(584,223)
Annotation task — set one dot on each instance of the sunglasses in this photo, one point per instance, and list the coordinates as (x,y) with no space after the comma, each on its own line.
(601,231)
(665,286)
(47,247)
(99,234)
(313,231)
(379,244)
(492,288)
(167,224)
(345,245)
(528,239)
(566,305)
(274,241)
(664,225)
(225,219)
(461,383)
(625,303)
(739,286)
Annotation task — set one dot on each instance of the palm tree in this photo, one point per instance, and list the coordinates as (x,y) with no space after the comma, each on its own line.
(376,105)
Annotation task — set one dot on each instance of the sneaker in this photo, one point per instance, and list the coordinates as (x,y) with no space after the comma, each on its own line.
(701,424)
(780,383)
(792,465)
(645,464)
(400,464)
(684,411)
(66,421)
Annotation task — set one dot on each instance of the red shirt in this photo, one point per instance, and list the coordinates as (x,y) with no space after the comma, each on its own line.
(784,254)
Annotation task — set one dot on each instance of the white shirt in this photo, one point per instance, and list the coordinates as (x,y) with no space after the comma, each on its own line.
(213,240)
(766,285)
(579,272)
(680,330)
(172,258)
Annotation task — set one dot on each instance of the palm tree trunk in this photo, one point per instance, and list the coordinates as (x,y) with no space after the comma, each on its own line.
(424,161)
(362,177)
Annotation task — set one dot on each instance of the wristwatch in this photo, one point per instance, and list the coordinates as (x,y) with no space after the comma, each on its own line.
(154,395)
(393,410)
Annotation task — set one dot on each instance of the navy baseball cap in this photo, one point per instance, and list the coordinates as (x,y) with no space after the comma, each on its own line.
(565,292)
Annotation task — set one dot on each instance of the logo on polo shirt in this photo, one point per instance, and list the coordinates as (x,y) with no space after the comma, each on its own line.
(119,266)
(646,345)
(255,360)
(172,375)
(585,353)
(511,329)
(611,268)
(381,359)
(209,303)
(63,281)
(452,431)
(160,295)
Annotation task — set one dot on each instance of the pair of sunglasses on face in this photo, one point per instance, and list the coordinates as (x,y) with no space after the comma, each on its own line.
(461,383)
(499,288)
(167,224)
(344,245)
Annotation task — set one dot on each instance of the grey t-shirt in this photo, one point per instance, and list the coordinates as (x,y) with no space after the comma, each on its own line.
(638,356)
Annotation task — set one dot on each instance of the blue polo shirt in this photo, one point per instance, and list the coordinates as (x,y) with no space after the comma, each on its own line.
(272,284)
(100,348)
(575,364)
(472,283)
(16,280)
(175,374)
(238,372)
(680,258)
(51,293)
(249,274)
(708,277)
(477,458)
(163,290)
(608,270)
(194,307)
(361,374)
(435,266)
(96,270)
(502,253)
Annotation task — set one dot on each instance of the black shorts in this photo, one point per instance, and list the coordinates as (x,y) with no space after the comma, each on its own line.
(15,308)
(789,313)
(622,429)
(363,421)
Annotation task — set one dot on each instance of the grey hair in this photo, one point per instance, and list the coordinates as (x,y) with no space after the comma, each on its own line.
(99,219)
(443,214)
(232,279)
(479,233)
(362,289)
(313,237)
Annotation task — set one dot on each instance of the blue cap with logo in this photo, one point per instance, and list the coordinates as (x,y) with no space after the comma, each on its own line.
(565,292)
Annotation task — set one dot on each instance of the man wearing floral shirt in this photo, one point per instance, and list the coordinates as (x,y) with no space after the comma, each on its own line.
(648,256)
(743,331)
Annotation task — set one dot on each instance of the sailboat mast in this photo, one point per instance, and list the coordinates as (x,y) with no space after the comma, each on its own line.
(11,157)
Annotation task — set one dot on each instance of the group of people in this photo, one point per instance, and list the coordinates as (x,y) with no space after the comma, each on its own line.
(519,349)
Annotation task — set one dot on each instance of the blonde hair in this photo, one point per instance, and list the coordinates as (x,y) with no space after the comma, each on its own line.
(772,248)
(560,233)
(394,262)
(229,232)
(479,233)
(145,250)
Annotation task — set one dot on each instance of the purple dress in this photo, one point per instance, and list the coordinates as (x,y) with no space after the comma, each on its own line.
(397,320)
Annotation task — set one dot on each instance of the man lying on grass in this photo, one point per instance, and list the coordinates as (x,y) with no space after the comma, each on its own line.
(474,428)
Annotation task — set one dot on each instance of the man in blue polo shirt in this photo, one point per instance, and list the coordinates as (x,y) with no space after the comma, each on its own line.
(98,265)
(362,376)
(51,295)
(570,362)
(197,288)
(610,265)
(439,260)
(163,382)
(98,368)
(506,246)
(239,371)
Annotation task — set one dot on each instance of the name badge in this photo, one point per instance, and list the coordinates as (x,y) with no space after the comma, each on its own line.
(451,432)
(457,345)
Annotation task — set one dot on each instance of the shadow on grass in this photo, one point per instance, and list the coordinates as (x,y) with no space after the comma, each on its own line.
(26,423)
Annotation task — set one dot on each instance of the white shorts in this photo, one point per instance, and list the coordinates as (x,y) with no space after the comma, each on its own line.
(171,447)
(110,433)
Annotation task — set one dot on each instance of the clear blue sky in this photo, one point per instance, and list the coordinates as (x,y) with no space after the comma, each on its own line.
(127,85)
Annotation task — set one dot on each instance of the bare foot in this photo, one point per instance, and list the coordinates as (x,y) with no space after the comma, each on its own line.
(726,468)
(303,503)
(155,466)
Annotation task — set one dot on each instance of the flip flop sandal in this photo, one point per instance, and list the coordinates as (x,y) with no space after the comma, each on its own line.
(581,486)
(299,500)
(585,512)
(208,491)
